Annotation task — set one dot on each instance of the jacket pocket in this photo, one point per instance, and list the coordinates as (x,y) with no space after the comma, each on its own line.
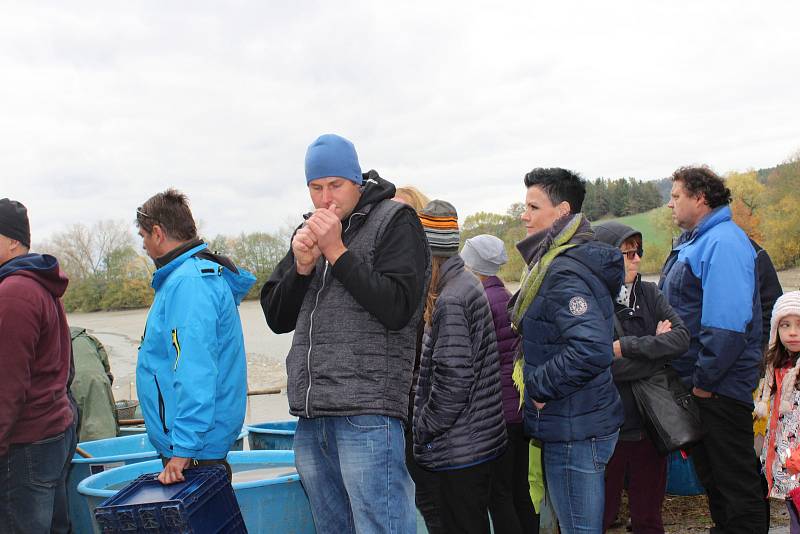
(161,407)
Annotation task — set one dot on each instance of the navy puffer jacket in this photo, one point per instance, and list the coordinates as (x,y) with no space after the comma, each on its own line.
(458,413)
(567,336)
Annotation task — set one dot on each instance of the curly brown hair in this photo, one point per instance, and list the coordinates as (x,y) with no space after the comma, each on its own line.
(703,181)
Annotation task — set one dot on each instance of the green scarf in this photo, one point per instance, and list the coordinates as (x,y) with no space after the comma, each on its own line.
(532,281)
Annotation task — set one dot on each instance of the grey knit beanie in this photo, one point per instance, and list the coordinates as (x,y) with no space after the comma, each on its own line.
(484,254)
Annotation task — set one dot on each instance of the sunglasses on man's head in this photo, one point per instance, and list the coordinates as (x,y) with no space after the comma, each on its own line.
(139,211)
(633,252)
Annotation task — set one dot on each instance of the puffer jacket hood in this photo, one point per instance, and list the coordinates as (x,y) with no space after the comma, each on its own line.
(614,233)
(604,261)
(43,268)
(374,189)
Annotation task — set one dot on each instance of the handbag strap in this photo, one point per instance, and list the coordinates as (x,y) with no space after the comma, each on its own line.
(617,326)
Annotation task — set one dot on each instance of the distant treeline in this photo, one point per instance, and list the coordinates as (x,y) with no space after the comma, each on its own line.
(109,271)
(618,198)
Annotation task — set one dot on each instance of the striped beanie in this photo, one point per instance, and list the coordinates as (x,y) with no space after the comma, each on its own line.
(440,221)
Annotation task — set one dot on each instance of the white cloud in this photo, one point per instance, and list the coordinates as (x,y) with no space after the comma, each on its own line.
(104,104)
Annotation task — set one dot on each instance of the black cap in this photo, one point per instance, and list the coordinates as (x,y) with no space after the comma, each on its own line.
(14,221)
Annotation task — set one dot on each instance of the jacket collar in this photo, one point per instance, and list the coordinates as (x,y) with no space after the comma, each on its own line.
(161,275)
(492,281)
(449,269)
(715,217)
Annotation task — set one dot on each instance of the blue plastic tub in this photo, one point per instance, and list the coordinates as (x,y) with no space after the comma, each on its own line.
(108,454)
(681,476)
(272,504)
(272,435)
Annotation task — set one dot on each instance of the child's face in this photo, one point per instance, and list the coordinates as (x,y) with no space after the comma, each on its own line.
(789,332)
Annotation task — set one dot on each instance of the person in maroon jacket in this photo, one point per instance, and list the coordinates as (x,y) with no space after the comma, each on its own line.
(37,430)
(511,507)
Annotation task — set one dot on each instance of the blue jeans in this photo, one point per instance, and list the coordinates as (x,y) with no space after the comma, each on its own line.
(575,477)
(33,491)
(354,472)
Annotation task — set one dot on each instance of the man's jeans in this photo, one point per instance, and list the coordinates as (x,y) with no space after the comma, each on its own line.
(33,485)
(354,472)
(574,472)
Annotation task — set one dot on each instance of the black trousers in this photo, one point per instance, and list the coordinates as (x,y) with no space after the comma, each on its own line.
(426,492)
(725,462)
(510,503)
(464,498)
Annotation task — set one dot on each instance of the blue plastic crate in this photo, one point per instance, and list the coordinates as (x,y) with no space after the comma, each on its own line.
(204,503)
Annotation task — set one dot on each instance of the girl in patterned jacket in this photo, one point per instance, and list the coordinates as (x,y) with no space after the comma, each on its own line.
(781,454)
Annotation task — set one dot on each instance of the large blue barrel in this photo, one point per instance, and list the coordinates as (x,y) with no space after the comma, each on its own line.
(681,476)
(272,436)
(106,454)
(275,503)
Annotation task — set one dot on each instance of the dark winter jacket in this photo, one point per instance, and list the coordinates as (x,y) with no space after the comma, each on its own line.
(567,335)
(644,352)
(507,341)
(769,289)
(458,416)
(710,280)
(35,349)
(355,322)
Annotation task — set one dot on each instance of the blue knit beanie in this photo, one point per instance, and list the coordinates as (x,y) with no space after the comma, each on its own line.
(332,155)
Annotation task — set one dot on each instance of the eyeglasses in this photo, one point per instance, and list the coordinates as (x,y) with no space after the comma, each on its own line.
(143,214)
(630,254)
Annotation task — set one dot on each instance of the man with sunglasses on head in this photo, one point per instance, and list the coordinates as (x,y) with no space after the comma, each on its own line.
(191,374)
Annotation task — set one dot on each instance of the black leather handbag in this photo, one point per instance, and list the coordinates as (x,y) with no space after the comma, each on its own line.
(669,411)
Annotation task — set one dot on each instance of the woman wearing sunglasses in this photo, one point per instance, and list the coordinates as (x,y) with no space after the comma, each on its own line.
(649,334)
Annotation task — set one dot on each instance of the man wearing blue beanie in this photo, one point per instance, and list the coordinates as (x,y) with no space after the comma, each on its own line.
(332,155)
(352,288)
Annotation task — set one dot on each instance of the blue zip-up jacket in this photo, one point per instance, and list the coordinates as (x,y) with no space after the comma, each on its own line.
(709,279)
(192,372)
(567,336)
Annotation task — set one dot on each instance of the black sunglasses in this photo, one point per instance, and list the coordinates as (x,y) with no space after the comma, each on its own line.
(631,253)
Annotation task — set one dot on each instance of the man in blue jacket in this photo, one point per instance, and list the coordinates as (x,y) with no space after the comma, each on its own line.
(565,314)
(710,280)
(192,373)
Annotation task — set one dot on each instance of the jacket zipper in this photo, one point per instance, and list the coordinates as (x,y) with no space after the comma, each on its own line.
(161,409)
(311,322)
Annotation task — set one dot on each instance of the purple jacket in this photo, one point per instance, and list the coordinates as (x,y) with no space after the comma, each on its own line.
(507,341)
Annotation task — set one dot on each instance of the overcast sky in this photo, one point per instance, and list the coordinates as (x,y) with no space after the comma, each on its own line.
(105,103)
